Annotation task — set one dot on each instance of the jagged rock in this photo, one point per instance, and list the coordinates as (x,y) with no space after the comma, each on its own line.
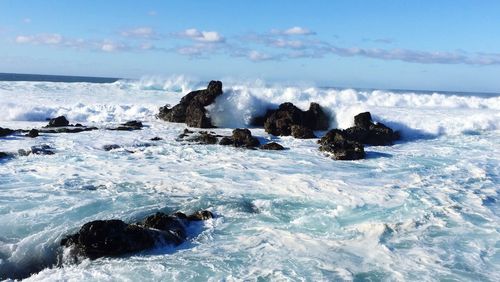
(191,109)
(340,146)
(241,137)
(33,133)
(302,132)
(367,132)
(156,139)
(272,146)
(279,122)
(129,125)
(114,237)
(5,131)
(58,122)
(110,147)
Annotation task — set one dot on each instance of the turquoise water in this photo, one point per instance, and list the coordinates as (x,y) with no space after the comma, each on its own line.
(424,209)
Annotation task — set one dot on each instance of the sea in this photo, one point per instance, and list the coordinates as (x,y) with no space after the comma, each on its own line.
(424,209)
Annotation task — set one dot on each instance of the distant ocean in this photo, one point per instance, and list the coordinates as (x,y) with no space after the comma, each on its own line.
(425,209)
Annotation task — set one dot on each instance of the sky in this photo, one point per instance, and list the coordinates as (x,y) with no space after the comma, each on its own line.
(433,45)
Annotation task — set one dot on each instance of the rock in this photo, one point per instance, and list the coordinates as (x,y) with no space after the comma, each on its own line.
(114,237)
(191,109)
(272,146)
(315,118)
(367,132)
(129,125)
(32,133)
(241,137)
(67,129)
(279,122)
(5,131)
(58,122)
(4,155)
(110,147)
(302,132)
(156,139)
(363,120)
(200,215)
(42,150)
(336,143)
(200,137)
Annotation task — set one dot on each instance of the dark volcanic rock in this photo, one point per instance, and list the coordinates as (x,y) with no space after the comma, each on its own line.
(5,155)
(110,147)
(191,109)
(33,133)
(156,139)
(241,137)
(272,146)
(302,132)
(279,122)
(367,132)
(5,131)
(66,129)
(200,137)
(129,125)
(42,150)
(337,143)
(101,238)
(58,122)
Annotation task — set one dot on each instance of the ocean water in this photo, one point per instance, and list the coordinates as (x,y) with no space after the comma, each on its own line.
(424,209)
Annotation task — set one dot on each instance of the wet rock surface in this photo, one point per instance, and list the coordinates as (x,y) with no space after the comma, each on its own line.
(59,121)
(101,238)
(6,132)
(241,137)
(191,109)
(279,122)
(272,146)
(129,125)
(337,144)
(33,133)
(37,150)
(200,137)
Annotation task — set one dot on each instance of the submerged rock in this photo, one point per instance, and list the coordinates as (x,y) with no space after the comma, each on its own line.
(200,137)
(191,109)
(241,137)
(114,237)
(129,125)
(280,122)
(110,147)
(272,146)
(5,131)
(4,155)
(156,139)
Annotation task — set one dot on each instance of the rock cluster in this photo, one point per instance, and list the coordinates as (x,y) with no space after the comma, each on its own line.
(5,131)
(114,237)
(348,144)
(290,120)
(191,109)
(129,125)
(37,150)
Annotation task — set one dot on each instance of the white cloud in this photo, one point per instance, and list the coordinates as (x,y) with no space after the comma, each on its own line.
(139,32)
(296,30)
(48,39)
(203,36)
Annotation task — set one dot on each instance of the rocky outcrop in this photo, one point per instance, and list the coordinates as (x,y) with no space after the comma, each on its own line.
(279,122)
(4,155)
(191,109)
(200,137)
(110,147)
(241,137)
(272,146)
(367,132)
(337,144)
(114,237)
(59,121)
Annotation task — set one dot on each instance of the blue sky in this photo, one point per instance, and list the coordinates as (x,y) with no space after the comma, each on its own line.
(438,45)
